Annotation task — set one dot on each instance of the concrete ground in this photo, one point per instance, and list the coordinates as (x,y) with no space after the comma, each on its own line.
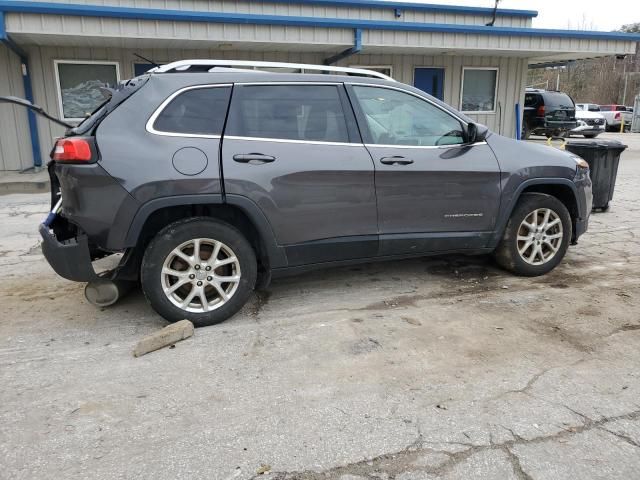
(422,369)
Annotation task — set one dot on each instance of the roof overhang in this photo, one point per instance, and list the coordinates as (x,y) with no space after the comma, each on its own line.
(73,25)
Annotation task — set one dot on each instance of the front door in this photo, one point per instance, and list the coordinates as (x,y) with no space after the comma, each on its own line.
(294,149)
(435,192)
(430,80)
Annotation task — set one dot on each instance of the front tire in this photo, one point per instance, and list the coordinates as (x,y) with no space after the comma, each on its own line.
(198,269)
(590,135)
(537,236)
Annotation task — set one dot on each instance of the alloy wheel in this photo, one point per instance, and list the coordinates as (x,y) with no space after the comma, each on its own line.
(200,275)
(540,236)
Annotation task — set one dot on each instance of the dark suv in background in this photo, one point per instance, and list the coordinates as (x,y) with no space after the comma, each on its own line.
(209,180)
(548,113)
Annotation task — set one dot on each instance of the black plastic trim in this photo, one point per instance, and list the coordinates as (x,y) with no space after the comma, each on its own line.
(69,259)
(505,213)
(276,254)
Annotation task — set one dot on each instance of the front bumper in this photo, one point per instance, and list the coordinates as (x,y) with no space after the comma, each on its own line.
(71,258)
(584,198)
(588,129)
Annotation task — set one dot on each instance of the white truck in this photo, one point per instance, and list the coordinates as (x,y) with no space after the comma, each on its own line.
(615,115)
(591,122)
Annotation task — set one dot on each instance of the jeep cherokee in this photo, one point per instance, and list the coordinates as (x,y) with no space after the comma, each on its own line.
(209,179)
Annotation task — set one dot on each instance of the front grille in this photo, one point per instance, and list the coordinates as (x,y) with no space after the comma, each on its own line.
(594,121)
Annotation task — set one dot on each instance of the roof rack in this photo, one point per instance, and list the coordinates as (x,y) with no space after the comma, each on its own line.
(210,65)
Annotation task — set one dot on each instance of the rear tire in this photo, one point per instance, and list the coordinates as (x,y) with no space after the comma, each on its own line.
(198,269)
(590,135)
(535,251)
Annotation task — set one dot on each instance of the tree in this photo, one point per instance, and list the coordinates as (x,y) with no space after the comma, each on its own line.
(595,81)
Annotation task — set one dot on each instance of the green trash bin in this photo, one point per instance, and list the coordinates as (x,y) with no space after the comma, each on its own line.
(603,157)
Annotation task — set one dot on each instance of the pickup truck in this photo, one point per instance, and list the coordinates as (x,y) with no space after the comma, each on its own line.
(614,115)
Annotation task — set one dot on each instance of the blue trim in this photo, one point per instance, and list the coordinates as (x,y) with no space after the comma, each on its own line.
(251,19)
(28,90)
(518,127)
(357,47)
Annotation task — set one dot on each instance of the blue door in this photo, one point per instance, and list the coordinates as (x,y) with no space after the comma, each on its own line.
(430,80)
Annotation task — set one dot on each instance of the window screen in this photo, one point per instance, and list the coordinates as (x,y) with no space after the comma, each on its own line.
(479,90)
(291,112)
(200,111)
(397,118)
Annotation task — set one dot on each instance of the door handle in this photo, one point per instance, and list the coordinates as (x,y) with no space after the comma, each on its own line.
(396,160)
(256,158)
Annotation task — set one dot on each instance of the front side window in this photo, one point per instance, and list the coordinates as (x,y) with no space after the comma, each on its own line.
(398,118)
(198,111)
(79,86)
(289,112)
(479,90)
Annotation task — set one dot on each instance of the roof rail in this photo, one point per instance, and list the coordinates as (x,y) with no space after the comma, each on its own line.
(209,65)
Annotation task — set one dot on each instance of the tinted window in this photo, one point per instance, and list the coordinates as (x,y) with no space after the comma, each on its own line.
(397,118)
(199,111)
(530,100)
(291,112)
(557,99)
(605,108)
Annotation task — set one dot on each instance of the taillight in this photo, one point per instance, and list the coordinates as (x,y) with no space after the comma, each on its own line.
(540,111)
(617,116)
(72,150)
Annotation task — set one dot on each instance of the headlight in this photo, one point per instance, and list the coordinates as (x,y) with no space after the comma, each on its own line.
(580,162)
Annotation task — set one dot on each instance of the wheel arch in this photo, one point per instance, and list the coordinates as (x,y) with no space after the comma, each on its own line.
(238,211)
(561,188)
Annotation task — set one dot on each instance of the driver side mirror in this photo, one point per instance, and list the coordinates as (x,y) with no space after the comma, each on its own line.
(476,132)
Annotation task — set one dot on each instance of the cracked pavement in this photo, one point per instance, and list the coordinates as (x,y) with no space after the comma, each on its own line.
(433,368)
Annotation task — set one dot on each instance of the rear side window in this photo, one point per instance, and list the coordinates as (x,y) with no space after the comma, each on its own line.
(289,112)
(197,111)
(530,100)
(605,108)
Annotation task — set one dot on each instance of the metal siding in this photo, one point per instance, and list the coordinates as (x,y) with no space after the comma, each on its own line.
(15,147)
(320,11)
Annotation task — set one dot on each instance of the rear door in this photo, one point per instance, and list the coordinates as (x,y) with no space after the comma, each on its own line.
(435,193)
(294,150)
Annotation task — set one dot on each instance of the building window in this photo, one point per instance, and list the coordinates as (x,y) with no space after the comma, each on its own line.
(479,90)
(198,111)
(79,85)
(383,69)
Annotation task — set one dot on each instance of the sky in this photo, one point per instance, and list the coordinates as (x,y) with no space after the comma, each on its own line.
(573,14)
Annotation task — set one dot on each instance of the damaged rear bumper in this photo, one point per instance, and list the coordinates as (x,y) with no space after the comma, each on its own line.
(71,258)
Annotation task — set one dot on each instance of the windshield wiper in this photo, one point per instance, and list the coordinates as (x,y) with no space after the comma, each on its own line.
(36,108)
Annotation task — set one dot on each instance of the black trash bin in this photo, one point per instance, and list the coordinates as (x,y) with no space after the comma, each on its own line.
(603,157)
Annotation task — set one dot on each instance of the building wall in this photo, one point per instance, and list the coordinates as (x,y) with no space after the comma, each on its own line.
(511,78)
(306,10)
(15,144)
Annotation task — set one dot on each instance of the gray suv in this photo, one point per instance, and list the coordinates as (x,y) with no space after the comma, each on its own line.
(210,179)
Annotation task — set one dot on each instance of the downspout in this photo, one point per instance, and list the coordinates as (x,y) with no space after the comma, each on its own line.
(357,48)
(28,90)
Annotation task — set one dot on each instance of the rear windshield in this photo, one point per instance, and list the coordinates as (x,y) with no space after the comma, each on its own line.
(113,98)
(558,100)
(613,108)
